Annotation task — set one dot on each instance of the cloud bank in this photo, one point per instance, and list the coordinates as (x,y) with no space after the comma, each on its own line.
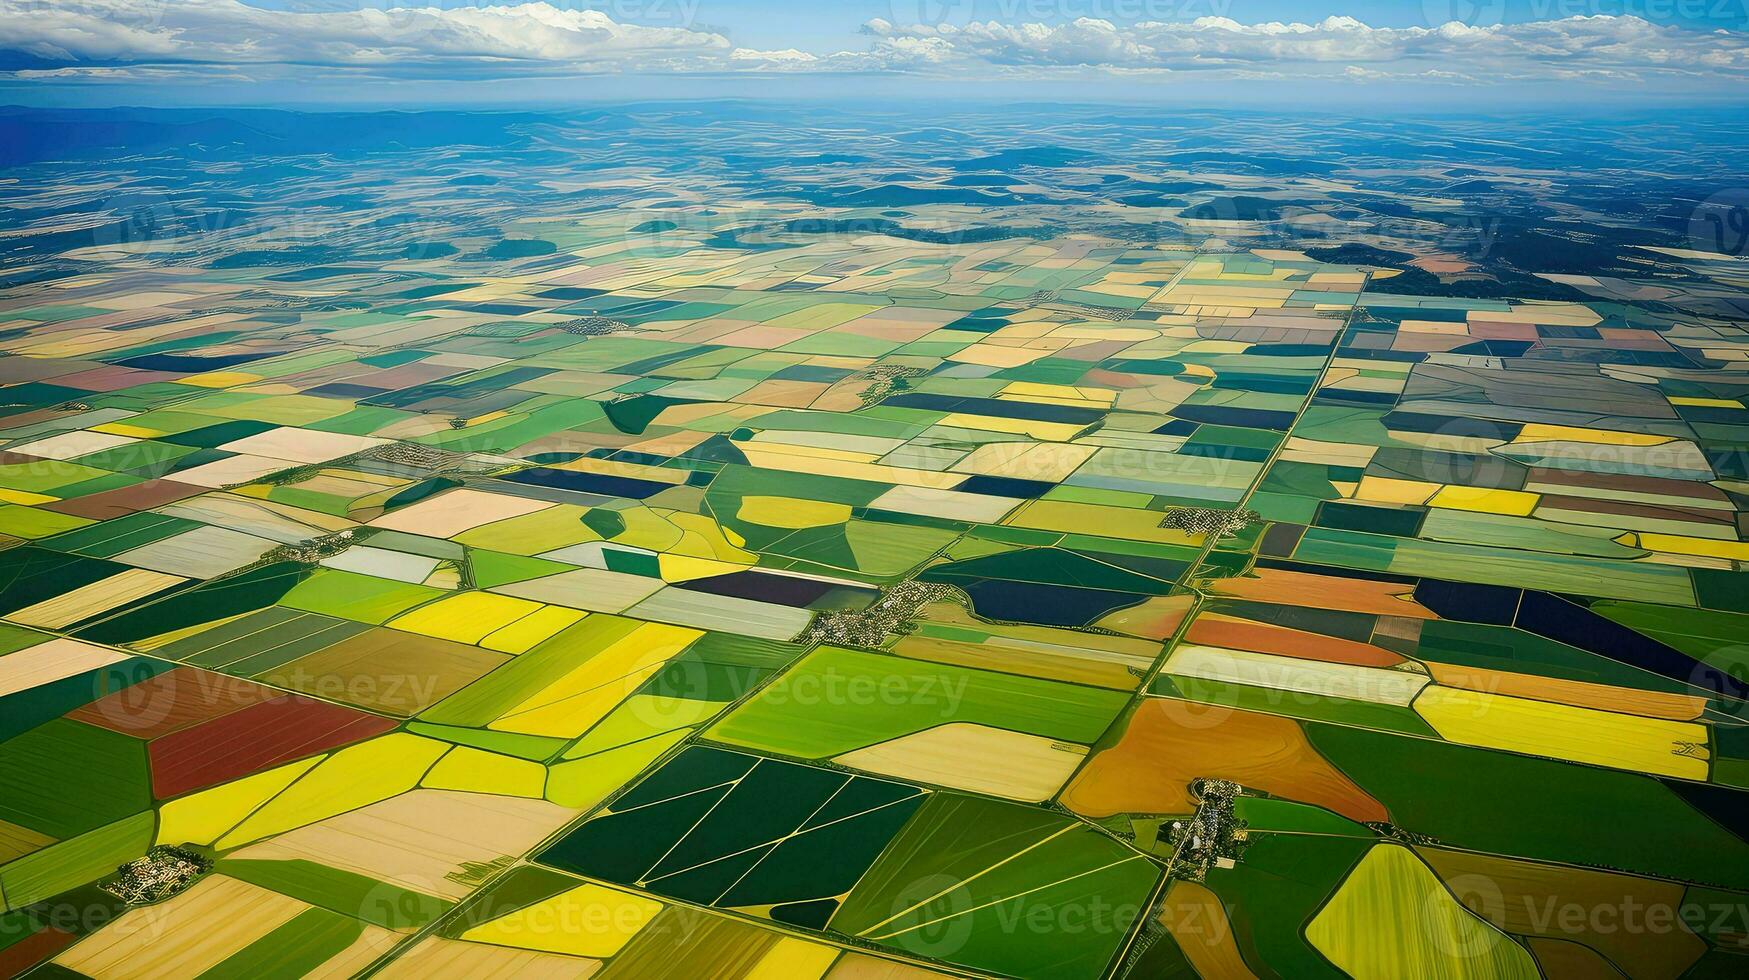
(57,40)
(1622,47)
(484,39)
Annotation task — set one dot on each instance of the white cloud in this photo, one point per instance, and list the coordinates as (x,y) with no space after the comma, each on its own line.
(788,56)
(45,36)
(1617,46)
(204,32)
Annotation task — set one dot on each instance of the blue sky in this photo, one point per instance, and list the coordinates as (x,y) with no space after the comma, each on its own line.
(1594,53)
